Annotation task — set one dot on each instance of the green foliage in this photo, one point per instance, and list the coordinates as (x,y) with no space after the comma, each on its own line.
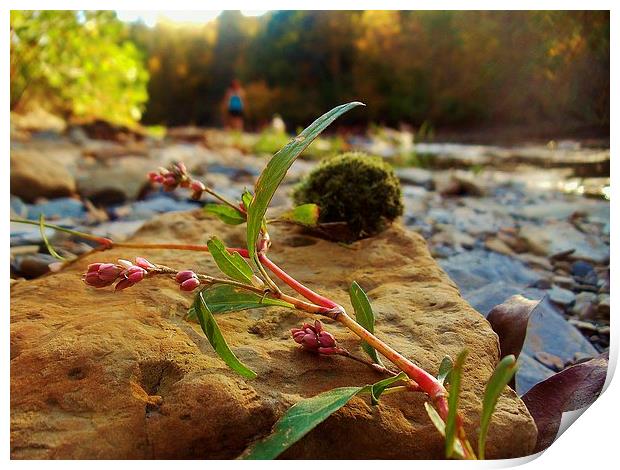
(270,141)
(299,420)
(48,245)
(378,388)
(441,427)
(354,188)
(365,316)
(306,214)
(496,384)
(305,415)
(79,63)
(523,67)
(224,298)
(444,370)
(276,169)
(231,264)
(225,213)
(453,402)
(214,335)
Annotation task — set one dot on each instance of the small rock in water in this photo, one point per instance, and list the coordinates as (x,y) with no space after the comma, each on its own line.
(585,306)
(564,281)
(550,360)
(35,265)
(561,296)
(581,268)
(603,304)
(495,244)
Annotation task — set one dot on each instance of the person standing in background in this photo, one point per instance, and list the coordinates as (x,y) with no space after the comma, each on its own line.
(235,101)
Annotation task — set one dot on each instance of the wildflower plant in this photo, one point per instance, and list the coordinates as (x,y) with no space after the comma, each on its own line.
(248,280)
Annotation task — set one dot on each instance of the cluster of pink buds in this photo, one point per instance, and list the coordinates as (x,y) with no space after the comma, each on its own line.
(315,338)
(187,280)
(125,272)
(176,176)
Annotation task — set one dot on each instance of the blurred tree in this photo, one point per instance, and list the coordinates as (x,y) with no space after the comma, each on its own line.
(448,69)
(78,63)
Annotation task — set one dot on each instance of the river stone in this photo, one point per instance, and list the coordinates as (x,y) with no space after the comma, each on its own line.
(97,374)
(36,174)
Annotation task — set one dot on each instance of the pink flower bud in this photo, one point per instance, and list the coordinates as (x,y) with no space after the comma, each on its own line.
(190,284)
(125,264)
(180,167)
(155,178)
(315,338)
(109,271)
(170,181)
(144,263)
(326,339)
(183,276)
(123,284)
(93,267)
(135,274)
(309,341)
(197,186)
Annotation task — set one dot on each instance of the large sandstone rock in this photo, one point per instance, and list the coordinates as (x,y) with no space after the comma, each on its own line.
(36,174)
(96,374)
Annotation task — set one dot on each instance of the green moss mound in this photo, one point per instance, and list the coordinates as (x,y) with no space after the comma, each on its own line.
(355,188)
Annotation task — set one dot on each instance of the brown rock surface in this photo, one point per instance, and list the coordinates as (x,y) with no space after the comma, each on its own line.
(96,374)
(37,174)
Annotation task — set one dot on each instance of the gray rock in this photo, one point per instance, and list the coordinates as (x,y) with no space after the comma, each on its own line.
(557,237)
(585,305)
(416,176)
(561,296)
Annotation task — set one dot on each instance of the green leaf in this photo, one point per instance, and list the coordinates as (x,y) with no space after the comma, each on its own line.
(276,169)
(378,388)
(496,384)
(444,370)
(214,335)
(299,420)
(306,214)
(453,402)
(364,316)
(246,198)
(223,298)
(441,427)
(48,245)
(231,264)
(226,214)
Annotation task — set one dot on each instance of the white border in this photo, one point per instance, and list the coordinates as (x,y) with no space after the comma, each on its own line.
(590,444)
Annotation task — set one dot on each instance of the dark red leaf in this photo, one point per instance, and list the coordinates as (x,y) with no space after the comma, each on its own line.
(509,320)
(573,388)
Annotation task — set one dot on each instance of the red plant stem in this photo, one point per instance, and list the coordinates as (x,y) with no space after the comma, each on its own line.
(296,285)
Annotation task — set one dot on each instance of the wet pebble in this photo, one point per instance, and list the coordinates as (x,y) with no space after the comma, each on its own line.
(561,296)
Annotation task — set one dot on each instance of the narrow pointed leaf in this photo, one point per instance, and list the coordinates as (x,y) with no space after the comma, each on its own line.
(364,316)
(299,420)
(231,264)
(504,371)
(215,337)
(453,402)
(48,245)
(223,298)
(226,214)
(378,388)
(441,427)
(306,214)
(444,370)
(276,169)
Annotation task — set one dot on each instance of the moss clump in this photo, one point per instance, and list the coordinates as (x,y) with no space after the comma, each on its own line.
(355,188)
